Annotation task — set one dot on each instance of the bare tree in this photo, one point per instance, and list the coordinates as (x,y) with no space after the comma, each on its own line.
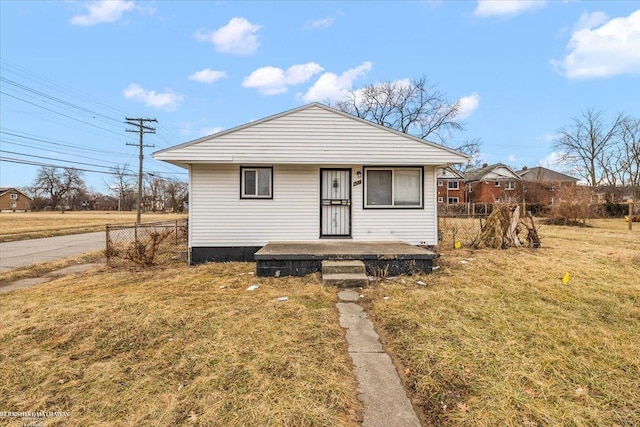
(156,192)
(177,193)
(414,107)
(58,184)
(123,186)
(471,148)
(586,142)
(629,149)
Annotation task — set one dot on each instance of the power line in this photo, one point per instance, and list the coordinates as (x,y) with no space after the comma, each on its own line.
(142,129)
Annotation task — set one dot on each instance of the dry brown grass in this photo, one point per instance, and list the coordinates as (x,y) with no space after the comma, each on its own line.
(501,341)
(177,346)
(32,225)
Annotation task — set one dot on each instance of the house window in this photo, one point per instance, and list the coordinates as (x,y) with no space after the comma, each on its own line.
(497,184)
(393,188)
(439,183)
(256,183)
(510,185)
(14,196)
(470,188)
(453,185)
(453,200)
(440,200)
(12,205)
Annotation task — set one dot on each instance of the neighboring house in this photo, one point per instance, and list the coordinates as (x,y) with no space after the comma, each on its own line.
(12,199)
(492,184)
(541,185)
(308,174)
(451,187)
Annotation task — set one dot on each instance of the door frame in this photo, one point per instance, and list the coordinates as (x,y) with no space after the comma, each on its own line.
(349,206)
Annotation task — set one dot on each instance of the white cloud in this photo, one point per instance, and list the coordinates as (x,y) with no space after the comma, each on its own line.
(332,86)
(601,48)
(207,75)
(468,104)
(505,8)
(323,23)
(104,11)
(238,37)
(512,158)
(167,100)
(273,80)
(556,159)
(210,130)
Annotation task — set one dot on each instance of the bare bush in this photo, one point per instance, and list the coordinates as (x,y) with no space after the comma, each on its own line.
(574,206)
(143,251)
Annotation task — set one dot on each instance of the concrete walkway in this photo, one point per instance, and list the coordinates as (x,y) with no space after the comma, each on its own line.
(27,283)
(379,387)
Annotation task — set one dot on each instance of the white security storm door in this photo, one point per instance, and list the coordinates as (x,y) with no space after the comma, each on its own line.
(335,202)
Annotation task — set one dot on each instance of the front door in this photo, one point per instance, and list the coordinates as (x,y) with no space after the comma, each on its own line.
(335,202)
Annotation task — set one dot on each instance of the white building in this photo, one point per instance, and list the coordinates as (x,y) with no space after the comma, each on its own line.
(308,174)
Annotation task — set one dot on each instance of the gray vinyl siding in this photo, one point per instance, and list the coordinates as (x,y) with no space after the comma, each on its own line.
(312,135)
(218,217)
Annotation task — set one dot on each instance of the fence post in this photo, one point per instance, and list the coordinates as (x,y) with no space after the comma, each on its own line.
(135,234)
(176,231)
(630,215)
(107,249)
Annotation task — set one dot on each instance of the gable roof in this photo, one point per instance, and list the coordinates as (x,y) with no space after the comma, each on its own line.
(448,173)
(5,190)
(494,172)
(542,174)
(311,134)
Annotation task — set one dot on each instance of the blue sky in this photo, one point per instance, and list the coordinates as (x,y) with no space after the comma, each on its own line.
(72,70)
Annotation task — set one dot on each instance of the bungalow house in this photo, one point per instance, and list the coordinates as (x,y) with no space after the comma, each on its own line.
(541,185)
(492,184)
(13,200)
(451,187)
(310,174)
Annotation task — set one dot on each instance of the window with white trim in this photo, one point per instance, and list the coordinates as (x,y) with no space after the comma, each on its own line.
(256,183)
(12,205)
(399,187)
(14,196)
(453,200)
(439,183)
(497,184)
(453,185)
(510,185)
(440,199)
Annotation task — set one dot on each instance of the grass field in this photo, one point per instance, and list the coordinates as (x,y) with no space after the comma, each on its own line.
(32,225)
(177,346)
(492,338)
(495,338)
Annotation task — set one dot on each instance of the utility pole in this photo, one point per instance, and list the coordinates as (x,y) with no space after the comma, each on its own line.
(142,129)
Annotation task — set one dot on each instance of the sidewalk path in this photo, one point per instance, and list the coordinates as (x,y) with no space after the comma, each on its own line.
(380,390)
(27,283)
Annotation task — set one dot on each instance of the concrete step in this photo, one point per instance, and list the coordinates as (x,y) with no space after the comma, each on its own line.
(345,280)
(342,266)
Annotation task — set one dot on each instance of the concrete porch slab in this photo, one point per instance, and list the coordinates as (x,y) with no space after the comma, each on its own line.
(300,258)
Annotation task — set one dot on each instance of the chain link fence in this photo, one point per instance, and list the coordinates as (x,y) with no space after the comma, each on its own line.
(459,230)
(146,244)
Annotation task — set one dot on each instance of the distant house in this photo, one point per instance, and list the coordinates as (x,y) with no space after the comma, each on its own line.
(305,175)
(451,187)
(13,200)
(494,183)
(541,185)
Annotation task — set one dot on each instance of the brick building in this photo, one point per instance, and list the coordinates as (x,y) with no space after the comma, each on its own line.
(14,200)
(494,183)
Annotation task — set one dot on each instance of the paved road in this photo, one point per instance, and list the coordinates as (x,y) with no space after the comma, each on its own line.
(27,252)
